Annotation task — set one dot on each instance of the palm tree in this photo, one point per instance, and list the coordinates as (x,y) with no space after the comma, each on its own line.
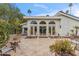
(29,12)
(70,6)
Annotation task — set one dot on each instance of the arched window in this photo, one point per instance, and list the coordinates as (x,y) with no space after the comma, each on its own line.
(33,29)
(42,22)
(52,30)
(33,22)
(51,22)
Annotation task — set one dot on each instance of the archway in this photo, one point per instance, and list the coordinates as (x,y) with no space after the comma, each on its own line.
(33,28)
(52,28)
(42,28)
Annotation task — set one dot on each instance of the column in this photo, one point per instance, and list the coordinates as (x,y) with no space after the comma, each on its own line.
(28,31)
(47,31)
(22,30)
(38,29)
(33,30)
(51,30)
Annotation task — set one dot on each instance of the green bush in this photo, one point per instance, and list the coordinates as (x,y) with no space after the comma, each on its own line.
(62,47)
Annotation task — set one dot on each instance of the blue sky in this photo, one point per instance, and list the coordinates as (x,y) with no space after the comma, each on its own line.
(42,9)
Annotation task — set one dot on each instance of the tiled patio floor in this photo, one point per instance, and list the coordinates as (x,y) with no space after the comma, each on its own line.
(34,47)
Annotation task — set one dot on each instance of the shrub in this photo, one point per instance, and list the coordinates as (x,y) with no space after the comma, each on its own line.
(62,47)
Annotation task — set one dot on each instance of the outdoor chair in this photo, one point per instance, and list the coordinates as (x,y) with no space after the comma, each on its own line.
(5,55)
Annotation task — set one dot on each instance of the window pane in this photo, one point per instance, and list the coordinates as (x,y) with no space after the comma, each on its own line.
(50,30)
(31,30)
(53,30)
(42,22)
(52,22)
(35,30)
(25,30)
(33,22)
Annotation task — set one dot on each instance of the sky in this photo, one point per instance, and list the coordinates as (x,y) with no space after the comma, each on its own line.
(43,9)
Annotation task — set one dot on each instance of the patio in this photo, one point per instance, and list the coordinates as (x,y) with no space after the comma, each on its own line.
(34,47)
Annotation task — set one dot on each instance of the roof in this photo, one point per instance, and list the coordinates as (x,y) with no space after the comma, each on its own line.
(41,17)
(52,17)
(24,23)
(68,15)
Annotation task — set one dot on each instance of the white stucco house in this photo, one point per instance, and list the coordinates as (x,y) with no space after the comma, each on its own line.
(61,24)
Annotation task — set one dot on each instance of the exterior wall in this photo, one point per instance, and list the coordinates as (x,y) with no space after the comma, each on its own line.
(63,25)
(67,24)
(57,23)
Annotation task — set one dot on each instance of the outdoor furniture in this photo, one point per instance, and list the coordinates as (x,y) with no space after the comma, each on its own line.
(3,51)
(5,55)
(14,45)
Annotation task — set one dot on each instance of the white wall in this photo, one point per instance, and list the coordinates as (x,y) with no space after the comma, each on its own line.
(67,24)
(47,21)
